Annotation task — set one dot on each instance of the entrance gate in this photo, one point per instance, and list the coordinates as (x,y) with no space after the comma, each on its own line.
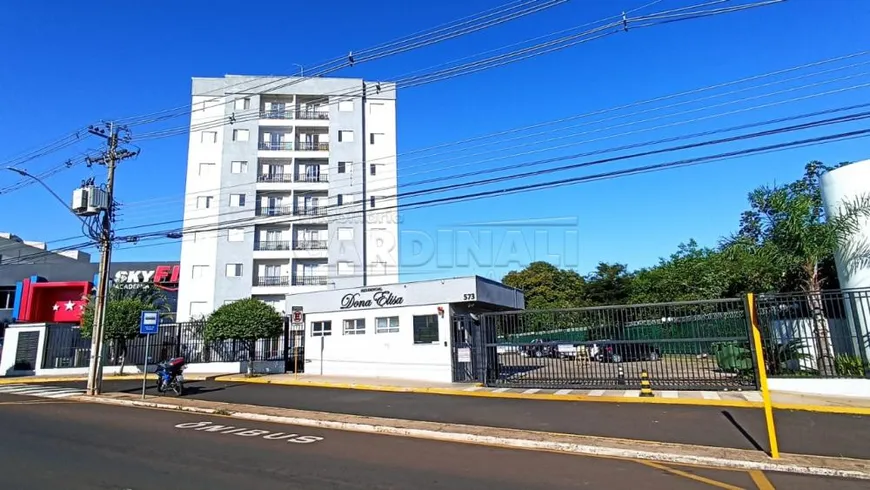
(703,345)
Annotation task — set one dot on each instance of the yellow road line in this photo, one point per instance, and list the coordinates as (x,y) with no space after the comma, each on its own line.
(690,476)
(760,480)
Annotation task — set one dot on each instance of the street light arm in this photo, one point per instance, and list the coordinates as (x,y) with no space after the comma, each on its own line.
(39,181)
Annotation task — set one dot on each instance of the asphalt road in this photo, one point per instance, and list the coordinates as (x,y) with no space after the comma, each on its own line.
(798,432)
(79,446)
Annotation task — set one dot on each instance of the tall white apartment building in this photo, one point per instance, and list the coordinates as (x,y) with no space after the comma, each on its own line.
(291,187)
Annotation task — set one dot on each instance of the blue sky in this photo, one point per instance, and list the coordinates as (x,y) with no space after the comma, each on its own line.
(63,70)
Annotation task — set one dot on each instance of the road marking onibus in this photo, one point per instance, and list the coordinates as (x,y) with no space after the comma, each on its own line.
(245,432)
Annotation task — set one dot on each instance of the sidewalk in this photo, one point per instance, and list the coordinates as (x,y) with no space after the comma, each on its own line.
(736,399)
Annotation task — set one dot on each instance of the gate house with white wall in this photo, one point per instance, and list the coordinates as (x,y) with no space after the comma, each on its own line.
(417,330)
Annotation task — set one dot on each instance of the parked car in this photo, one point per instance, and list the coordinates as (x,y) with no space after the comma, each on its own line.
(545,348)
(626,352)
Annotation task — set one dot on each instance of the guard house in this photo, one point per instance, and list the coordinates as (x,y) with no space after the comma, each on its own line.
(417,330)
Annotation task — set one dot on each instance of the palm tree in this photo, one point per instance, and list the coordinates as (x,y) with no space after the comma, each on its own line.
(787,226)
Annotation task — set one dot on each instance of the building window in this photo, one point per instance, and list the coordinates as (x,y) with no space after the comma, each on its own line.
(345,106)
(345,234)
(355,327)
(234,270)
(345,136)
(206,168)
(426,329)
(372,201)
(321,329)
(376,138)
(373,169)
(339,199)
(237,200)
(199,271)
(239,167)
(376,108)
(203,202)
(342,167)
(209,137)
(345,268)
(387,325)
(243,104)
(240,135)
(236,235)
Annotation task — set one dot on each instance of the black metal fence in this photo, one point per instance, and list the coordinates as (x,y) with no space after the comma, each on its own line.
(66,348)
(682,346)
(816,334)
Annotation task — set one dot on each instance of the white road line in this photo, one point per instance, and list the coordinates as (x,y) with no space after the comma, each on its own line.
(472,388)
(710,395)
(501,390)
(24,390)
(632,394)
(596,393)
(753,396)
(563,392)
(63,394)
(669,394)
(40,391)
(531,391)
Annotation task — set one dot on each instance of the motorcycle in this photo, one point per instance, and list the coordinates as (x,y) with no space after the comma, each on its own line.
(169,376)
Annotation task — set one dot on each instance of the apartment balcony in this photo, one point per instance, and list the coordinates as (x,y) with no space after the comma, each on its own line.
(310,245)
(308,146)
(280,146)
(276,178)
(274,245)
(284,114)
(275,211)
(319,115)
(318,211)
(312,178)
(310,281)
(272,281)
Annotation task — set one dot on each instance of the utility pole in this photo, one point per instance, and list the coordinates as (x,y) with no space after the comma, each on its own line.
(110,159)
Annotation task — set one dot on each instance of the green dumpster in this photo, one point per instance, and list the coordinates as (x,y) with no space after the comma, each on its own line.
(731,357)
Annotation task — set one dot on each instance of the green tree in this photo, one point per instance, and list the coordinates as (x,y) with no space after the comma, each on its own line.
(123,311)
(609,284)
(787,227)
(546,286)
(245,320)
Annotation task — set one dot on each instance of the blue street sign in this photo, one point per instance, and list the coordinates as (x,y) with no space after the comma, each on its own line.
(149,322)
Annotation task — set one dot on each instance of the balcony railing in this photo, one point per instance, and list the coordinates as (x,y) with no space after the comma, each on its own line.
(312,115)
(308,146)
(272,245)
(318,211)
(310,245)
(272,281)
(310,281)
(274,211)
(277,114)
(275,178)
(312,178)
(281,146)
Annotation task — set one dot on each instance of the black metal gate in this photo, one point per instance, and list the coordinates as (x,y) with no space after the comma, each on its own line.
(702,345)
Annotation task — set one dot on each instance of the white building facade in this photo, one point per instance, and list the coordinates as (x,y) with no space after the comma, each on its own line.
(291,188)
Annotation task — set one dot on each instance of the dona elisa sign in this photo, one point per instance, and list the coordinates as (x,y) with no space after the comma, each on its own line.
(164,277)
(379,298)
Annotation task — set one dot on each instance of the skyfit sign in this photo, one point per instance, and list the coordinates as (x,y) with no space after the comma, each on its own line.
(163,277)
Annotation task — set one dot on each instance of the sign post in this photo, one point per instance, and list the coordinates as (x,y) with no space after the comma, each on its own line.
(297,320)
(149,324)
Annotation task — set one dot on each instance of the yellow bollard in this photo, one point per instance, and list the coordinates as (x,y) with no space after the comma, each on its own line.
(762,377)
(645,387)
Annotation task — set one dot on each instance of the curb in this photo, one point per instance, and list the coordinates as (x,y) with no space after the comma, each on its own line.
(25,380)
(512,443)
(551,397)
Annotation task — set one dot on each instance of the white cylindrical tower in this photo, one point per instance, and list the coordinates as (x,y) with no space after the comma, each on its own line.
(839,187)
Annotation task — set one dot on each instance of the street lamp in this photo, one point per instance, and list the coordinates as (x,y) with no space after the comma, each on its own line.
(39,181)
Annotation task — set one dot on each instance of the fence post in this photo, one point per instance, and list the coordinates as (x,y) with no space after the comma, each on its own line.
(762,376)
